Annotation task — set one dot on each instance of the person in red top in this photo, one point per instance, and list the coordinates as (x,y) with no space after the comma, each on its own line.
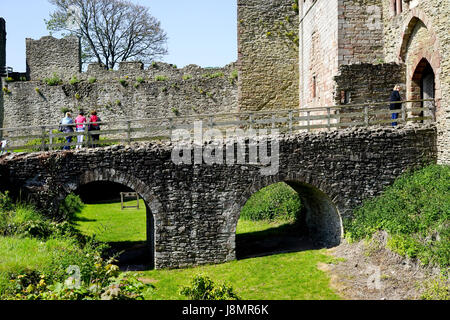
(80,122)
(94,126)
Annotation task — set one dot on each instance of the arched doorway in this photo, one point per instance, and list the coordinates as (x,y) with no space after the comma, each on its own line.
(316,225)
(423,86)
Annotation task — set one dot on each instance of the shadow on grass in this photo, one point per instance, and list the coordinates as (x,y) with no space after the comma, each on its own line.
(287,238)
(131,255)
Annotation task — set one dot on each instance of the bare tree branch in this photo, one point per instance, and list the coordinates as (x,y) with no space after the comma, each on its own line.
(111,31)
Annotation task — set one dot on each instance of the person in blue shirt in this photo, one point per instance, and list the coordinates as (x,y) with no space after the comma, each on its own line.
(67,127)
(395,96)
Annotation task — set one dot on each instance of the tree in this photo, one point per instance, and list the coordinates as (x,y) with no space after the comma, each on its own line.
(111,31)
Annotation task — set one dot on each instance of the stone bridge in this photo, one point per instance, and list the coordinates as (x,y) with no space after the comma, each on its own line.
(193,210)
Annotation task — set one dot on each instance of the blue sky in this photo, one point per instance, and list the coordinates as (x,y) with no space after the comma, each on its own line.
(202,32)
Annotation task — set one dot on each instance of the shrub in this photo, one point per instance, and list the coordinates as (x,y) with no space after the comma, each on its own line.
(6,90)
(187,77)
(92,80)
(140,80)
(9,79)
(161,78)
(233,76)
(123,82)
(415,212)
(277,202)
(53,81)
(74,80)
(213,75)
(203,288)
(70,206)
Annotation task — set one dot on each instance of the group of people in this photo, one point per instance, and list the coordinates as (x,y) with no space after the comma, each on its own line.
(80,125)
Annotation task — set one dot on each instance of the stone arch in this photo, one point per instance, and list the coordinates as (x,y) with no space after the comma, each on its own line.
(323,217)
(112,175)
(154,208)
(429,50)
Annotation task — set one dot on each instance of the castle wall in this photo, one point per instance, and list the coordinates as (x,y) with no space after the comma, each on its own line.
(268,55)
(2,42)
(421,31)
(127,93)
(360,31)
(318,52)
(48,56)
(364,82)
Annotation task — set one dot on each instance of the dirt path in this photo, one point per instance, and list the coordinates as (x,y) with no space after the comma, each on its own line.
(371,272)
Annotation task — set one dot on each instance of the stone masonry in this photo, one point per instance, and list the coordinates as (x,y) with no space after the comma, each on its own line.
(267,55)
(193,210)
(49,56)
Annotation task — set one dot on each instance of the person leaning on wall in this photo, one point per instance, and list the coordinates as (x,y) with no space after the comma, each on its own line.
(395,97)
(66,126)
(94,126)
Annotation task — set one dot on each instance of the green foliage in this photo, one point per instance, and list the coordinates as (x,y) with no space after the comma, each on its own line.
(53,81)
(273,203)
(233,76)
(77,96)
(92,80)
(213,75)
(203,288)
(64,110)
(123,82)
(161,78)
(176,111)
(6,90)
(25,221)
(37,252)
(74,80)
(36,144)
(436,289)
(187,77)
(9,79)
(38,91)
(6,203)
(140,80)
(70,206)
(415,212)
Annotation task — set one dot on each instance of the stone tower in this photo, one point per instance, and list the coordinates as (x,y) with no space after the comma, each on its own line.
(2,43)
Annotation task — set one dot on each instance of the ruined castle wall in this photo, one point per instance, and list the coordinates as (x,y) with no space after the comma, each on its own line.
(268,55)
(48,56)
(128,93)
(318,52)
(421,31)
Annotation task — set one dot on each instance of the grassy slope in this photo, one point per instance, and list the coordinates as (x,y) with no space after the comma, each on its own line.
(415,212)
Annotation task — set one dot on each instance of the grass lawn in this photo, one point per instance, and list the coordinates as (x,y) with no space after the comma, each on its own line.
(110,224)
(292,276)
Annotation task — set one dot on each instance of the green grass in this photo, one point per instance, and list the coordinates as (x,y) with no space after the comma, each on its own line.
(110,224)
(415,212)
(292,276)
